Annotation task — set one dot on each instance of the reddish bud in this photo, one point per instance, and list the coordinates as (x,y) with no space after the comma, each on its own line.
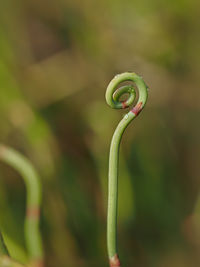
(136,110)
(33,212)
(124,104)
(114,261)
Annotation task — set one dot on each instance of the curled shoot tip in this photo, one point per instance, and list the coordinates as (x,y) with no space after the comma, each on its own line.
(113,95)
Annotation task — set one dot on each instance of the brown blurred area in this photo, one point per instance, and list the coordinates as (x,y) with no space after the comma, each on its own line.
(56,60)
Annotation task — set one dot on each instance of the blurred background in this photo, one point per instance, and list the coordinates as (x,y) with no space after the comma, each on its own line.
(56,60)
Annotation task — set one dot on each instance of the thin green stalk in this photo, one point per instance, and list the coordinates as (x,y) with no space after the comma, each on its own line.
(113,99)
(33,187)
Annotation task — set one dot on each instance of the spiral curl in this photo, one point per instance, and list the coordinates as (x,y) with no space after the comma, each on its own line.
(113,94)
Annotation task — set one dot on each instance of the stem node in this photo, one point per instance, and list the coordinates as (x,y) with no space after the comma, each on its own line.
(114,261)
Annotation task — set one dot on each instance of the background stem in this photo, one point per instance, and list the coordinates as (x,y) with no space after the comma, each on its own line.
(32,182)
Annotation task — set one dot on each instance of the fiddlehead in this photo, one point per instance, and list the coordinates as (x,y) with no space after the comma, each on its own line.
(33,187)
(113,99)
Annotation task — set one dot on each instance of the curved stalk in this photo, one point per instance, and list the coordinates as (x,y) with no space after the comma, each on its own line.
(33,187)
(112,97)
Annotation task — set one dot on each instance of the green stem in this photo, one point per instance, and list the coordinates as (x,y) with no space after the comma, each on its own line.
(33,187)
(112,97)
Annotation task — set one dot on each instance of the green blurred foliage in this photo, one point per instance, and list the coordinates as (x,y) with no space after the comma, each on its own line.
(56,59)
